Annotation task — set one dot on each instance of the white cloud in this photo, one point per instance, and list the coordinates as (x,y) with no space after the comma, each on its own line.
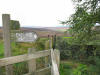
(37,12)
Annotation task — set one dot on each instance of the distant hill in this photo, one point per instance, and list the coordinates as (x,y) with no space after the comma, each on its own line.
(43,31)
(62,29)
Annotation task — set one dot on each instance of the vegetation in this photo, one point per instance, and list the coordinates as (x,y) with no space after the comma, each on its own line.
(83,20)
(72,68)
(83,47)
(77,68)
(1,49)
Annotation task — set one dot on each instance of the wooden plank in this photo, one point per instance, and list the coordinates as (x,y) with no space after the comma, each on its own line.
(46,61)
(57,55)
(25,57)
(7,41)
(44,71)
(32,62)
(54,68)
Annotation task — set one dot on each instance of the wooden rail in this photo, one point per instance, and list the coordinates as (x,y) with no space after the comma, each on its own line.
(43,71)
(27,57)
(21,58)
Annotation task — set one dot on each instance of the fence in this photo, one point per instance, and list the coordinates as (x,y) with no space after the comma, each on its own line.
(31,58)
(9,60)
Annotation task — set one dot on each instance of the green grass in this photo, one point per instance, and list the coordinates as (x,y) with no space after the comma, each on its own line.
(78,68)
(1,49)
(22,48)
(16,49)
(71,68)
(68,37)
(66,67)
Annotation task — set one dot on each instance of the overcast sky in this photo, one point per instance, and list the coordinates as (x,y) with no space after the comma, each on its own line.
(44,13)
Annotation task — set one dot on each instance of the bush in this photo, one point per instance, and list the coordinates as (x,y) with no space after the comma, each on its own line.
(67,51)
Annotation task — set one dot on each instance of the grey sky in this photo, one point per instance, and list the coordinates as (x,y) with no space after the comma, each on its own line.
(37,12)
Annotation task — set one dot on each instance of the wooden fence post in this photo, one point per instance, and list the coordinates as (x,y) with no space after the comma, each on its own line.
(47,58)
(51,42)
(32,63)
(57,55)
(7,41)
(54,69)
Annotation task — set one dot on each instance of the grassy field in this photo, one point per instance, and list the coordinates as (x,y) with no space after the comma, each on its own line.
(17,48)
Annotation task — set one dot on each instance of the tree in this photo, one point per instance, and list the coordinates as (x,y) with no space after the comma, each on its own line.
(82,21)
(87,14)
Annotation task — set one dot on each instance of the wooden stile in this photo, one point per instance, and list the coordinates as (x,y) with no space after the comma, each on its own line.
(52,56)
